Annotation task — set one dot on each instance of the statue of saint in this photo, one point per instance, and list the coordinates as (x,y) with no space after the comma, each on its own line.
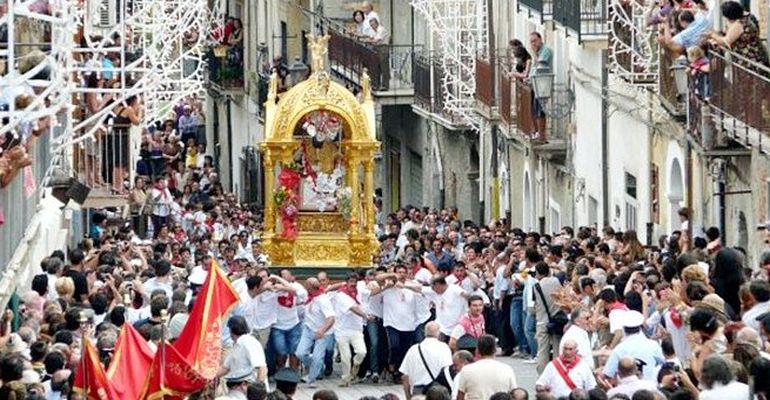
(319,47)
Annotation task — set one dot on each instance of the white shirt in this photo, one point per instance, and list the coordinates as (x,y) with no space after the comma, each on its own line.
(485,377)
(750,316)
(262,310)
(398,309)
(288,317)
(371,304)
(732,391)
(581,375)
(502,284)
(616,319)
(437,355)
(347,323)
(153,284)
(317,312)
(583,340)
(246,354)
(368,31)
(450,306)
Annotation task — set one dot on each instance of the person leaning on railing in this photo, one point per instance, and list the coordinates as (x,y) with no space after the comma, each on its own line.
(380,39)
(742,35)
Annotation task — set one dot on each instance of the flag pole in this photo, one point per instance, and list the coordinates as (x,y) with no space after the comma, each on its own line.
(163,322)
(83,320)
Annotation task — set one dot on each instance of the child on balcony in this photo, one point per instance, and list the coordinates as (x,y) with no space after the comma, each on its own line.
(699,69)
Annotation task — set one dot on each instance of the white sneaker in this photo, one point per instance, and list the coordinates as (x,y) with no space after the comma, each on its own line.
(530,361)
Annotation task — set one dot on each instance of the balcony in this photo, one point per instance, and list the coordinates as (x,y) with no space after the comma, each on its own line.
(225,65)
(586,18)
(389,66)
(516,112)
(429,93)
(543,8)
(739,99)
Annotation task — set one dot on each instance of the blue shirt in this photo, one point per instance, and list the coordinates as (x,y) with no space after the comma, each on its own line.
(445,260)
(639,347)
(107,68)
(692,35)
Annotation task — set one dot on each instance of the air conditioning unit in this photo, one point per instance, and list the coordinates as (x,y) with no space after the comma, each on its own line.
(108,14)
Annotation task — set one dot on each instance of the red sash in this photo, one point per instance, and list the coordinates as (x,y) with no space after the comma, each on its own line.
(564,373)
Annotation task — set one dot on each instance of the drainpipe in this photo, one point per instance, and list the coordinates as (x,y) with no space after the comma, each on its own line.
(605,145)
(722,199)
(495,214)
(229,101)
(688,183)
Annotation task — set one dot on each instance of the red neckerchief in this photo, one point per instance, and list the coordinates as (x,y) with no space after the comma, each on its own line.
(675,317)
(569,366)
(353,293)
(618,306)
(286,299)
(312,296)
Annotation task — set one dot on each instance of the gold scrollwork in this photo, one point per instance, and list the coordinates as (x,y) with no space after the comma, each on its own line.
(329,222)
(320,252)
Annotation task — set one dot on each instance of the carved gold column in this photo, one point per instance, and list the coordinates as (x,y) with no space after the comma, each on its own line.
(355,201)
(369,195)
(269,203)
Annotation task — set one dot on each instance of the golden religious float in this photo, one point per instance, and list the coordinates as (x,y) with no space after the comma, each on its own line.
(318,158)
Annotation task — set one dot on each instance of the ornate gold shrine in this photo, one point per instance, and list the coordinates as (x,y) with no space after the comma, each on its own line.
(325,238)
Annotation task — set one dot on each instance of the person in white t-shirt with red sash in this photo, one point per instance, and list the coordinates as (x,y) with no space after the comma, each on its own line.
(566,373)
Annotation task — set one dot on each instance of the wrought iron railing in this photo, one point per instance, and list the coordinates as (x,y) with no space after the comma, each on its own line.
(226,67)
(389,66)
(104,161)
(669,96)
(525,123)
(485,82)
(587,18)
(429,93)
(740,89)
(542,7)
(506,97)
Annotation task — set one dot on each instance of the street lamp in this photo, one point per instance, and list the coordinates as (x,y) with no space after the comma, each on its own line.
(298,71)
(542,83)
(679,70)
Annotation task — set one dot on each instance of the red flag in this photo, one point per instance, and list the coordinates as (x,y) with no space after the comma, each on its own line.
(200,341)
(170,376)
(128,369)
(90,378)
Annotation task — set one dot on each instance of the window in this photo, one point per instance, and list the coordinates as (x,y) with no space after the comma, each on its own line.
(630,216)
(655,200)
(593,211)
(285,41)
(631,185)
(555,220)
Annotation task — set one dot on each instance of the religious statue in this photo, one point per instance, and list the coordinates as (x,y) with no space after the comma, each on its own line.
(318,47)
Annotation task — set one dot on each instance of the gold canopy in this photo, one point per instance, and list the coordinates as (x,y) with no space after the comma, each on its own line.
(325,239)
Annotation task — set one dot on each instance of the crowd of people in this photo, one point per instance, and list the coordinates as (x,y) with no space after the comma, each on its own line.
(599,315)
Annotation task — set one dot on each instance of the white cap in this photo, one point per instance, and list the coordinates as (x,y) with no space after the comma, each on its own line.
(632,319)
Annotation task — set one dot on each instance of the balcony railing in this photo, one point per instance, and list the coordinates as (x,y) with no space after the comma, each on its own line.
(389,66)
(506,97)
(542,7)
(525,123)
(669,96)
(104,162)
(740,95)
(485,83)
(226,67)
(429,93)
(587,18)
